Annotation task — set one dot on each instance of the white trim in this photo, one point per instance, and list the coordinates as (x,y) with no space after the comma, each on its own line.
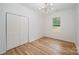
(77,48)
(35,38)
(60,38)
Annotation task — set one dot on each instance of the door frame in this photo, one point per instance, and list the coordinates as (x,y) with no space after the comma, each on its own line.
(6,25)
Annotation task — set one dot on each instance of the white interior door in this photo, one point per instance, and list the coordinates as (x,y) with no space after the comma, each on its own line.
(17,30)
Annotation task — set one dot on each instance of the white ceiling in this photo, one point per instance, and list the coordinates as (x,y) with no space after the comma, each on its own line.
(56,6)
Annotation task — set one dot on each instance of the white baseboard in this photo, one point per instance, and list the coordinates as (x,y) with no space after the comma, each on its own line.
(77,48)
(35,38)
(59,38)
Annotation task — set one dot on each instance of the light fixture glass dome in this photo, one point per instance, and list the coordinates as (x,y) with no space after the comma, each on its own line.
(46,7)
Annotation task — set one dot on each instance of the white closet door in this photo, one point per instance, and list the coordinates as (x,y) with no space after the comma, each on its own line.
(17,30)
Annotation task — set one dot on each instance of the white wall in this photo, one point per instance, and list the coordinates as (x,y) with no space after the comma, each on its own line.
(67,29)
(77,41)
(78,24)
(35,19)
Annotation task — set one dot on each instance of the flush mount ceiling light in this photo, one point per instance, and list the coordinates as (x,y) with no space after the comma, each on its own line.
(46,7)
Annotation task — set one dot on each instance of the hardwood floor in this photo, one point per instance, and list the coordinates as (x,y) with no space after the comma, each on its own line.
(44,46)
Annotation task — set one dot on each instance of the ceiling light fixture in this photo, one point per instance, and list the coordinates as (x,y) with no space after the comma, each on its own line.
(46,7)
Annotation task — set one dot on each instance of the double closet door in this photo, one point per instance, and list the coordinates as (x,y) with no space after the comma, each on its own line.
(17,30)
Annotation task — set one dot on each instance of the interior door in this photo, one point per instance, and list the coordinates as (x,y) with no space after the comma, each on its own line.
(17,30)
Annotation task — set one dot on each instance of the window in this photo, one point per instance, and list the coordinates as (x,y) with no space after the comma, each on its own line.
(56,21)
(56,24)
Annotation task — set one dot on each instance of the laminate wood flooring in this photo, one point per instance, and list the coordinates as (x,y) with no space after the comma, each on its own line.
(44,46)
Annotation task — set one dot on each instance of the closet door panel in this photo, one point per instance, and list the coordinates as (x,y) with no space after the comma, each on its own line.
(17,30)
